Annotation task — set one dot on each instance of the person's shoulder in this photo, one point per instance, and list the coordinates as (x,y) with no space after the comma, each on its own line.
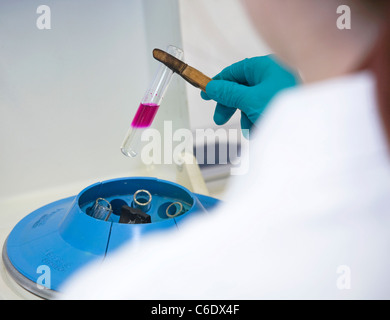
(346,90)
(340,101)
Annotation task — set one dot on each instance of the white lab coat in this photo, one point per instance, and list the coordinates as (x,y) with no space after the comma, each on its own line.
(309,221)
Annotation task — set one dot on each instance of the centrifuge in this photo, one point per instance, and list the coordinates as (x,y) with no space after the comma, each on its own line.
(53,242)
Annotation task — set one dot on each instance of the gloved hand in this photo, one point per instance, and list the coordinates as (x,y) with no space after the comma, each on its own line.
(248,85)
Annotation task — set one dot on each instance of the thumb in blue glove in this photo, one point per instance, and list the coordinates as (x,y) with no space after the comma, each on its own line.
(248,85)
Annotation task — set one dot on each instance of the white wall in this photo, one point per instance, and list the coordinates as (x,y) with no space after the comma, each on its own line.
(68,94)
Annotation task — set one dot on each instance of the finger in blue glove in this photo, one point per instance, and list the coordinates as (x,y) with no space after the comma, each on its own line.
(248,85)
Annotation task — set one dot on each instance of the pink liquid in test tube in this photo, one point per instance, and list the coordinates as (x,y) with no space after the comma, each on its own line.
(145,115)
(149,106)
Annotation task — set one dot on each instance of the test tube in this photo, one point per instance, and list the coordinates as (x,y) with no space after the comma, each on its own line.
(149,106)
(101,209)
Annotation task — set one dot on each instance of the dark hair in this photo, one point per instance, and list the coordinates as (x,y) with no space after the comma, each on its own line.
(379,61)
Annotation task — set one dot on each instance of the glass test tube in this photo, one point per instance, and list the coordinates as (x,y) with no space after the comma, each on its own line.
(149,105)
(101,209)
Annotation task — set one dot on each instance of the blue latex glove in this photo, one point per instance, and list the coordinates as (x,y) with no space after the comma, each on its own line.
(248,85)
